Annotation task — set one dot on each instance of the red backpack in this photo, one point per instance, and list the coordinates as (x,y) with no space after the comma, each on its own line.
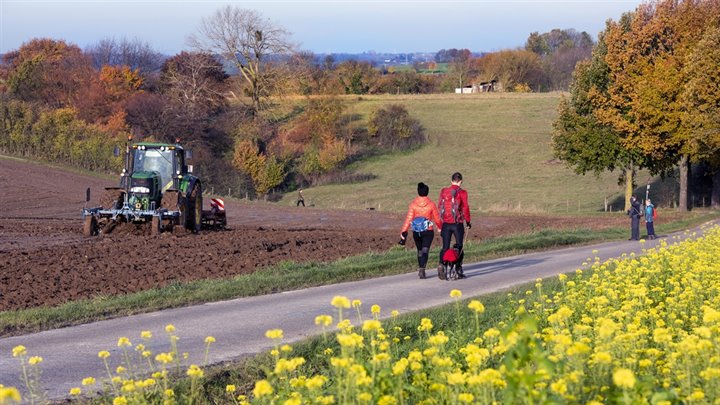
(449,205)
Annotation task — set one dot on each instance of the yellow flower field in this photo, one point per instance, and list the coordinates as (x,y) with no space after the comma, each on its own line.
(627,331)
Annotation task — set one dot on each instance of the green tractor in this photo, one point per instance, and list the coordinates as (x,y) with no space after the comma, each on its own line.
(157,187)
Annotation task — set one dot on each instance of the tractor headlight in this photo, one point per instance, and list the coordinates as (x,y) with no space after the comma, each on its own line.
(140,190)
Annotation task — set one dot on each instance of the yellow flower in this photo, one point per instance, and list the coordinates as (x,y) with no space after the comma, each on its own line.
(146,334)
(262,388)
(230,388)
(195,371)
(562,277)
(164,358)
(455,379)
(286,348)
(169,393)
(375,309)
(9,394)
(35,360)
(104,354)
(456,293)
(466,398)
(387,400)
(325,400)
(371,325)
(340,301)
(365,397)
(274,334)
(476,306)
(120,369)
(697,395)
(624,378)
(316,382)
(356,303)
(394,312)
(169,328)
(209,340)
(124,342)
(324,320)
(19,350)
(120,401)
(425,325)
(88,381)
(73,391)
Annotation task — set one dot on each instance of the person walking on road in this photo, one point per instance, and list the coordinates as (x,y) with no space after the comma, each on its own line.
(649,217)
(301,198)
(454,210)
(423,218)
(635,213)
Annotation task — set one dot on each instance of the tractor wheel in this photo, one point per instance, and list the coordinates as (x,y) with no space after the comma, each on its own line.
(90,226)
(155,226)
(197,214)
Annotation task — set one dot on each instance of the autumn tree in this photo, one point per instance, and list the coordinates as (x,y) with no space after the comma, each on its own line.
(246,39)
(51,72)
(265,170)
(460,68)
(700,100)
(511,68)
(645,61)
(559,51)
(579,138)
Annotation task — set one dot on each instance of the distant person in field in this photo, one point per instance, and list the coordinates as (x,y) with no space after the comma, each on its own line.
(301,198)
(423,218)
(455,214)
(635,212)
(649,219)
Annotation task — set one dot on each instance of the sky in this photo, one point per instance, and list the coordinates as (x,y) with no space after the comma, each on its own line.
(341,26)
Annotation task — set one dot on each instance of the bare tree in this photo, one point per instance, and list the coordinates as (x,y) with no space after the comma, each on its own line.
(248,40)
(133,53)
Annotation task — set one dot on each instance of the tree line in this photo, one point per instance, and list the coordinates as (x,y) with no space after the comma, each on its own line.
(61,103)
(649,98)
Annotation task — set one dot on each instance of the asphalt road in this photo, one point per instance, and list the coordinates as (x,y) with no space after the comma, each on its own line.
(70,354)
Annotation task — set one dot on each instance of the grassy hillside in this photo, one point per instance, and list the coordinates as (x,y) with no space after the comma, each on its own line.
(499,142)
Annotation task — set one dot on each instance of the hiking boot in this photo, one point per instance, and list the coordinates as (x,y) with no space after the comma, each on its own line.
(421,272)
(441,272)
(460,272)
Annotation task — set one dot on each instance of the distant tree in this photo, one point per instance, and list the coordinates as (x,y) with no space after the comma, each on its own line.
(246,39)
(559,51)
(449,55)
(460,68)
(135,54)
(356,77)
(512,68)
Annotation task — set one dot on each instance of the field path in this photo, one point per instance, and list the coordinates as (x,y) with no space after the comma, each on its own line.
(70,354)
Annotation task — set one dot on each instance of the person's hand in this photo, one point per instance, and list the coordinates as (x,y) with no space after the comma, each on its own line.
(404,235)
(469,225)
(403,239)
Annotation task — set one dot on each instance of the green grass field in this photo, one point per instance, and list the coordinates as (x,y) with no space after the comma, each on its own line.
(499,142)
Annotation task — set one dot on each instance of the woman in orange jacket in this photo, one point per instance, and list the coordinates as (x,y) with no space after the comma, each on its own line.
(423,218)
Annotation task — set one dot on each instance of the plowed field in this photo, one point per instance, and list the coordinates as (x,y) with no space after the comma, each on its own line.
(46,261)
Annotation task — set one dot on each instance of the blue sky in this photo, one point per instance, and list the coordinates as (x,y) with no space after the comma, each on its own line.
(318,26)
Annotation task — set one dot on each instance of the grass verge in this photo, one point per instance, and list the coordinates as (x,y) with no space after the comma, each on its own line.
(291,276)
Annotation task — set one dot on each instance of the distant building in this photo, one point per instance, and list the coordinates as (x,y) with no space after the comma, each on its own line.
(483,87)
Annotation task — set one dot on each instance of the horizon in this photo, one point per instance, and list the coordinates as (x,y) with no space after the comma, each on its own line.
(320,26)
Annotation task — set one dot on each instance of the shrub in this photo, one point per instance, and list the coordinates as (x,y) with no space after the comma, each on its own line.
(392,128)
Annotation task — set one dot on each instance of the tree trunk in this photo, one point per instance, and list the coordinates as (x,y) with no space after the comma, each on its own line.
(715,196)
(629,172)
(684,180)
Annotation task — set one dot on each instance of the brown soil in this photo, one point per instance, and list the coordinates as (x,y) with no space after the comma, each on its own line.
(46,261)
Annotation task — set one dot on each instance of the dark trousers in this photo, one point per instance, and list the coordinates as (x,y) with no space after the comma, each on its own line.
(635,227)
(300,202)
(448,230)
(423,240)
(650,228)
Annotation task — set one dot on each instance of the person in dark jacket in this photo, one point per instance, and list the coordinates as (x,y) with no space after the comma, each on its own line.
(454,213)
(424,217)
(635,213)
